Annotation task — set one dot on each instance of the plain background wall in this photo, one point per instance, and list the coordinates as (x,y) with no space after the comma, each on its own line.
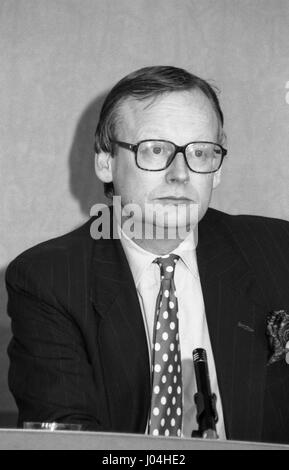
(59,57)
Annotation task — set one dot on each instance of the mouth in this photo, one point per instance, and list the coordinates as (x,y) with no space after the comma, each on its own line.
(174,200)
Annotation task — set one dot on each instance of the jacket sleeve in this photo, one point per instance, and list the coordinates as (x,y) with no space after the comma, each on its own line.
(50,374)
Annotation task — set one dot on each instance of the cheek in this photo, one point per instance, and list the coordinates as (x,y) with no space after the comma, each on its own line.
(131,183)
(121,174)
(203,184)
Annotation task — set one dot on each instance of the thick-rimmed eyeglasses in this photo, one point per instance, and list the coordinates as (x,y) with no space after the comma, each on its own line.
(156,155)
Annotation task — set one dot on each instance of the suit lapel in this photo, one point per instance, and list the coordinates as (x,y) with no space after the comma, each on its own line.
(236,319)
(122,339)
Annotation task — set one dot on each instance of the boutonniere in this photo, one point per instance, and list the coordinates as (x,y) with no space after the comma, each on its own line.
(278,334)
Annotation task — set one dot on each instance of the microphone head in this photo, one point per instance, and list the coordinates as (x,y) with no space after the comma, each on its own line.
(199,355)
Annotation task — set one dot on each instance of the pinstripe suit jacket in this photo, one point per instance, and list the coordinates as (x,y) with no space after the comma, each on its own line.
(79,351)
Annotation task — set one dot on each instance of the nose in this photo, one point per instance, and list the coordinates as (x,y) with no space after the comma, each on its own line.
(178,171)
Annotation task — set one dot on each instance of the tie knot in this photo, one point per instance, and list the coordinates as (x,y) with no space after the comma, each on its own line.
(167,265)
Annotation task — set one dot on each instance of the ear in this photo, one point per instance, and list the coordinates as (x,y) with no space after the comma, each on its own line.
(103,167)
(217,178)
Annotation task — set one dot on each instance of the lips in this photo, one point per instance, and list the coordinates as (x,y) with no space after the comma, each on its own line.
(175,200)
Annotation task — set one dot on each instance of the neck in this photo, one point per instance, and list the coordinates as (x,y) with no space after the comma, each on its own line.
(159,242)
(160,247)
(152,238)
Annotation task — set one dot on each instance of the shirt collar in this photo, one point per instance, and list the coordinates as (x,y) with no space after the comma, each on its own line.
(139,259)
(187,252)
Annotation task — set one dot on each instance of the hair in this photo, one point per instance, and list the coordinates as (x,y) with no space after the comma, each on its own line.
(147,82)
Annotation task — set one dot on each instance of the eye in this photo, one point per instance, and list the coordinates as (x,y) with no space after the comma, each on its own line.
(157,150)
(199,153)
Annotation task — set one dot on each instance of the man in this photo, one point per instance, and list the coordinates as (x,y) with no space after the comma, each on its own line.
(104,329)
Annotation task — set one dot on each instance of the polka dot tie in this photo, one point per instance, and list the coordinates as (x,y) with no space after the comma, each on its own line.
(166,402)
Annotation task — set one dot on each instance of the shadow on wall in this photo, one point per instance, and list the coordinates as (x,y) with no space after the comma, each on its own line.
(84,185)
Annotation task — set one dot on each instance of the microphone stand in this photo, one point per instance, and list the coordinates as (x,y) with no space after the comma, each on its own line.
(205,400)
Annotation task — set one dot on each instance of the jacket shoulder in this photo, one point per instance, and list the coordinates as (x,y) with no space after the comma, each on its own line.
(258,225)
(263,243)
(260,240)
(50,262)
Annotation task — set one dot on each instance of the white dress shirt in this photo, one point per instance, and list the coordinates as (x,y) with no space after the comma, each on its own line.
(193,328)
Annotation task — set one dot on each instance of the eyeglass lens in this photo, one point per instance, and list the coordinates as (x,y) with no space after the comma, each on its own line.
(201,157)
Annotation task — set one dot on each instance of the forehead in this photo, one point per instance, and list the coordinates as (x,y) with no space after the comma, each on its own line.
(173,115)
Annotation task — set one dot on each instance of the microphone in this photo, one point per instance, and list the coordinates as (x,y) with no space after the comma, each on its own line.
(207,416)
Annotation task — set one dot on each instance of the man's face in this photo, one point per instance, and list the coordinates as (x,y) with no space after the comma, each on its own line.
(180,117)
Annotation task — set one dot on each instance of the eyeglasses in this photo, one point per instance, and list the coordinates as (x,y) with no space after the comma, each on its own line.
(156,155)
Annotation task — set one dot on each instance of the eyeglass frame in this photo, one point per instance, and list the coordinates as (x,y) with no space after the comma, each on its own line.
(178,149)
